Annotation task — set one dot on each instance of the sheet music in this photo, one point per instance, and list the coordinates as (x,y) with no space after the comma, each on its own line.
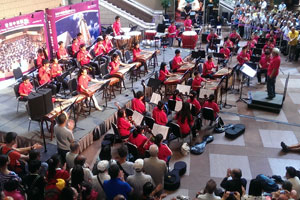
(178,106)
(155,98)
(137,117)
(184,89)
(205,92)
(160,129)
(246,69)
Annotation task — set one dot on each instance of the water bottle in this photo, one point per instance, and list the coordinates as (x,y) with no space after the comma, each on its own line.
(250,97)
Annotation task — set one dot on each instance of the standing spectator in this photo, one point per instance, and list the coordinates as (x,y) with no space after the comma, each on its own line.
(290,174)
(116,185)
(282,6)
(293,41)
(64,134)
(138,180)
(80,160)
(99,179)
(236,184)
(70,156)
(5,174)
(124,165)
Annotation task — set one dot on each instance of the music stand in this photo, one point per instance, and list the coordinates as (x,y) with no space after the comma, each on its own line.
(249,72)
(154,84)
(255,59)
(257,51)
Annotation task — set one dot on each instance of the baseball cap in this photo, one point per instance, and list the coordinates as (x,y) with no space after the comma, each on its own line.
(138,164)
(102,165)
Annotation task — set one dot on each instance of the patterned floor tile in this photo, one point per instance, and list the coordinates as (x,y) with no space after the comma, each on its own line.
(272,138)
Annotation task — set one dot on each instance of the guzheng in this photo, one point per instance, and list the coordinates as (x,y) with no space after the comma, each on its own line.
(186,67)
(125,69)
(147,55)
(92,89)
(222,72)
(178,78)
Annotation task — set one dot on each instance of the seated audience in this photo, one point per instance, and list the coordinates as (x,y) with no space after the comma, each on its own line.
(291,175)
(11,190)
(209,190)
(5,174)
(236,184)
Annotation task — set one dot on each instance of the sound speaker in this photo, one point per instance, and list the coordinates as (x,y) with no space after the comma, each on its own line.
(40,103)
(47,97)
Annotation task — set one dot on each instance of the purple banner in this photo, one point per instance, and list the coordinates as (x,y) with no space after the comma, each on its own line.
(67,21)
(20,38)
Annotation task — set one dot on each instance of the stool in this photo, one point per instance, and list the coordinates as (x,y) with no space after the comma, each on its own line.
(114,81)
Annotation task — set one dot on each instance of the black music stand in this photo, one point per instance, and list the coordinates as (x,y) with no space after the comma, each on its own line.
(255,59)
(257,51)
(221,58)
(154,84)
(247,72)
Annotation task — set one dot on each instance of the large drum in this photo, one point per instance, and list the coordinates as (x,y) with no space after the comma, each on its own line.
(135,37)
(189,39)
(125,30)
(122,41)
(150,34)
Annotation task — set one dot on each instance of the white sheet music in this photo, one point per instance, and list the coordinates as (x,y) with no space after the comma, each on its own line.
(137,117)
(205,92)
(155,98)
(160,129)
(184,89)
(178,106)
(246,69)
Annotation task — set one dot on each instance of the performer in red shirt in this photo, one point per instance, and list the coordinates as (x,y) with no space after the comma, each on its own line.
(45,77)
(225,51)
(271,36)
(114,65)
(56,69)
(210,40)
(163,72)
(80,39)
(196,84)
(138,104)
(84,58)
(177,61)
(62,52)
(193,100)
(164,152)
(25,88)
(243,57)
(172,33)
(137,57)
(269,46)
(40,58)
(99,51)
(159,115)
(229,43)
(234,36)
(75,47)
(211,104)
(263,65)
(185,119)
(188,23)
(138,139)
(176,96)
(207,68)
(108,47)
(117,26)
(124,125)
(272,73)
(82,86)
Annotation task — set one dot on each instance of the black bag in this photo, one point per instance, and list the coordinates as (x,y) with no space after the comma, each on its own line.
(105,153)
(268,184)
(235,131)
(181,167)
(172,180)
(96,134)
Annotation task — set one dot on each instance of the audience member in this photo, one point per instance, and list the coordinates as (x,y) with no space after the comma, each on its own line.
(124,165)
(236,184)
(99,179)
(209,190)
(80,160)
(290,174)
(70,156)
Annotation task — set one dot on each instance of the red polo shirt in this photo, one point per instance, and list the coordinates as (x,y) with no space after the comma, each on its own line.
(207,68)
(197,83)
(56,70)
(164,152)
(114,67)
(44,75)
(213,106)
(80,41)
(241,57)
(98,49)
(138,105)
(75,47)
(196,103)
(83,81)
(188,24)
(226,52)
(176,99)
(124,126)
(83,57)
(136,53)
(162,74)
(117,28)
(159,116)
(229,43)
(264,62)
(172,29)
(211,36)
(176,61)
(108,46)
(14,156)
(25,88)
(39,60)
(139,141)
(184,127)
(275,64)
(62,52)
(271,46)
(234,36)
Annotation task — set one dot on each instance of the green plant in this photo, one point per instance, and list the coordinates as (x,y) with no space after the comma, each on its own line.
(165,4)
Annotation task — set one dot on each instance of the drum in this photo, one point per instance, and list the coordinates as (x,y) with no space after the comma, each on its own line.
(150,34)
(135,37)
(125,30)
(122,41)
(189,39)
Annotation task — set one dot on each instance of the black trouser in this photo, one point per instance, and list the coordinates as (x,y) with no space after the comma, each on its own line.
(62,154)
(210,76)
(241,30)
(271,86)
(54,88)
(292,53)
(260,72)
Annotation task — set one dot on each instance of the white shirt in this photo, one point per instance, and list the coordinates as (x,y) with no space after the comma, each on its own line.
(296,185)
(208,196)
(264,5)
(281,7)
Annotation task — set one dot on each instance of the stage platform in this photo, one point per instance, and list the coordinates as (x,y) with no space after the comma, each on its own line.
(259,101)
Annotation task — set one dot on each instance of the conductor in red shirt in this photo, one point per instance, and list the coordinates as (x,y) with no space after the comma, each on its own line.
(25,88)
(159,115)
(272,73)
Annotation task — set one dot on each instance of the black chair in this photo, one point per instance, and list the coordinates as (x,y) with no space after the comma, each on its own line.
(118,138)
(132,151)
(72,86)
(257,51)
(128,57)
(171,104)
(104,71)
(208,114)
(18,74)
(262,40)
(17,94)
(69,50)
(149,121)
(170,64)
(194,111)
(129,112)
(260,45)
(175,130)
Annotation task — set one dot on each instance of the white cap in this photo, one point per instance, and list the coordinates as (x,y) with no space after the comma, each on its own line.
(102,165)
(276,50)
(138,164)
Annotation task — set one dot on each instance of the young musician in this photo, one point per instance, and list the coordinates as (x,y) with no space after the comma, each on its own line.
(99,50)
(82,87)
(226,51)
(272,73)
(117,26)
(56,69)
(251,43)
(75,46)
(80,39)
(196,84)
(164,152)
(211,104)
(25,88)
(207,68)
(188,23)
(138,138)
(172,33)
(234,36)
(45,76)
(40,58)
(62,52)
(138,104)
(137,57)
(229,43)
(263,65)
(177,61)
(159,115)
(176,95)
(269,46)
(84,58)
(185,119)
(210,37)
(108,47)
(114,65)
(193,100)
(124,125)
(163,72)
(243,57)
